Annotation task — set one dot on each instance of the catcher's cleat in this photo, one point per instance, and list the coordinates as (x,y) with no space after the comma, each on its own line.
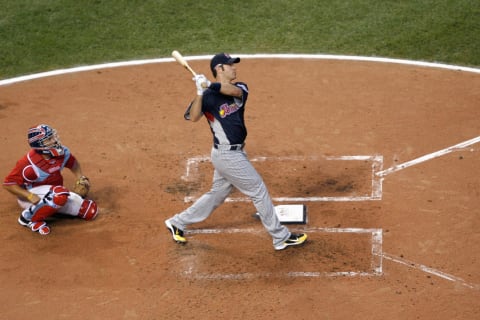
(294,240)
(177,234)
(39,226)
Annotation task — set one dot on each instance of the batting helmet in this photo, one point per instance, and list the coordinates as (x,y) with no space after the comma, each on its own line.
(44,139)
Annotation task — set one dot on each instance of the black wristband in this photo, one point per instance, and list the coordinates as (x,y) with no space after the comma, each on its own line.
(215,86)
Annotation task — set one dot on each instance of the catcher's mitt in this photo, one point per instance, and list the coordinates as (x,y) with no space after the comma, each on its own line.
(81,186)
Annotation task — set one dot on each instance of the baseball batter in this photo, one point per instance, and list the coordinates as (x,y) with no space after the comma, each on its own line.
(223,105)
(37,182)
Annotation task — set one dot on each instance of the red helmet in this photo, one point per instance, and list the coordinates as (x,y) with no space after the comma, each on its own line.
(44,139)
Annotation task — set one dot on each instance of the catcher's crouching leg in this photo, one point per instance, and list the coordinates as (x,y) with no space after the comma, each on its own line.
(55,199)
(34,216)
(78,207)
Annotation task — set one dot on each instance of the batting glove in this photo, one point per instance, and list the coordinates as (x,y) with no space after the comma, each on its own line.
(201,83)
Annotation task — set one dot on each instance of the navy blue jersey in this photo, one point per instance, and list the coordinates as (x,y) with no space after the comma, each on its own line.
(225,115)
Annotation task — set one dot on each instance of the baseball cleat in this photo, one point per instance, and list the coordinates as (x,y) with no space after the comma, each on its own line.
(177,234)
(38,226)
(295,239)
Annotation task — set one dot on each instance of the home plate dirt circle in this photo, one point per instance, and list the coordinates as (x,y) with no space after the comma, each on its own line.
(383,153)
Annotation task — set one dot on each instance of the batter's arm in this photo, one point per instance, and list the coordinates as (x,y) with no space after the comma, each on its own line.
(227,88)
(196,109)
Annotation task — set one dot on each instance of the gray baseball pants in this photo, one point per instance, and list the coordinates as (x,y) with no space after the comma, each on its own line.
(233,169)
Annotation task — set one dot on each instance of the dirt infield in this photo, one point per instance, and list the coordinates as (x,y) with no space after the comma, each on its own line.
(383,244)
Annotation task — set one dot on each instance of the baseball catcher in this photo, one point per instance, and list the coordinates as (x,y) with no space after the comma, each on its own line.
(37,182)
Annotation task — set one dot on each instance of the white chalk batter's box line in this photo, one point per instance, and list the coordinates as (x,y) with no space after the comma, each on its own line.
(192,166)
(375,269)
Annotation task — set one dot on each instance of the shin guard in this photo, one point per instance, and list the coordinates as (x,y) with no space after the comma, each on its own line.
(56,198)
(88,210)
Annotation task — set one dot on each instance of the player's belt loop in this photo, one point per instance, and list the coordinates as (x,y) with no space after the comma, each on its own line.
(229,147)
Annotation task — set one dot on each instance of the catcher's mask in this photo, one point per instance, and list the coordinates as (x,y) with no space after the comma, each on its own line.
(44,139)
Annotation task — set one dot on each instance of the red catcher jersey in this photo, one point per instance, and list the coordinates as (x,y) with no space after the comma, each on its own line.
(34,170)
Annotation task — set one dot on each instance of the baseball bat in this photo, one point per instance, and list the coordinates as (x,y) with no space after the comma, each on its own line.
(180,59)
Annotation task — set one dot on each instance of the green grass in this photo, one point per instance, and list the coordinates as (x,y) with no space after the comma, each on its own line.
(41,35)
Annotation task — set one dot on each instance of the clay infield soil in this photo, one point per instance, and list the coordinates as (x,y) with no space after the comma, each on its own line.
(126,127)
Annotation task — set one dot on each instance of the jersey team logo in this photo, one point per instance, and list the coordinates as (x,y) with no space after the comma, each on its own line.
(226,109)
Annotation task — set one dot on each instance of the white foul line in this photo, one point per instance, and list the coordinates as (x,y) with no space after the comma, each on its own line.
(428,157)
(431,271)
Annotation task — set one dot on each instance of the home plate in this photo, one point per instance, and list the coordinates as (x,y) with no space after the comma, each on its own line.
(290,213)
